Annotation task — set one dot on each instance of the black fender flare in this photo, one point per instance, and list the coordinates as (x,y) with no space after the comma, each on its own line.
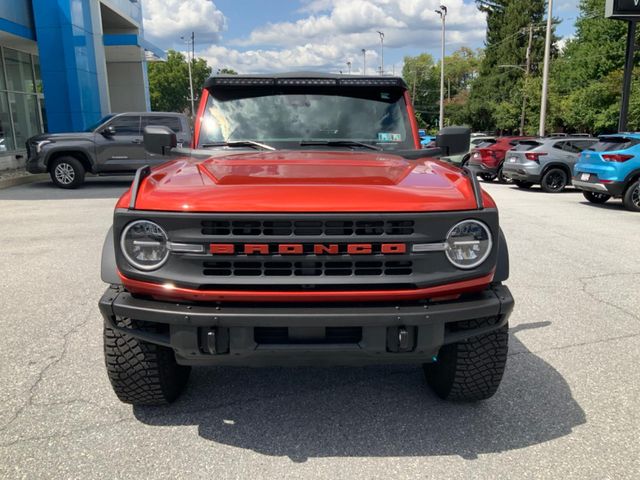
(86,152)
(108,266)
(632,175)
(561,166)
(502,264)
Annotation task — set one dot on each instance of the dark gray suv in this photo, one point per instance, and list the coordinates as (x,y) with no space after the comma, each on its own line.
(113,146)
(545,161)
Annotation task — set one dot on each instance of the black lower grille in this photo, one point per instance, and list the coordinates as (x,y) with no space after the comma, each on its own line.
(307,268)
(328,335)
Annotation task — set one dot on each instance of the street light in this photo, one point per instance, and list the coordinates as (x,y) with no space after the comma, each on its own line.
(364,61)
(381,52)
(545,72)
(442,11)
(191,42)
(349,65)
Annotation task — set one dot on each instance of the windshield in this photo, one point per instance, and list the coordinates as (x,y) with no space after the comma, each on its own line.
(286,117)
(98,123)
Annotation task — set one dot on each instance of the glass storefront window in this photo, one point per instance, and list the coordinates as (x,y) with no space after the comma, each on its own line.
(6,132)
(21,99)
(26,122)
(19,73)
(3,86)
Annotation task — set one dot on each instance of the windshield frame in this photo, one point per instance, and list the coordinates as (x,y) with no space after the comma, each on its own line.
(96,126)
(399,94)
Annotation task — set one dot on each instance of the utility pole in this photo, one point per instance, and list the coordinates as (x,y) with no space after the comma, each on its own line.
(545,71)
(364,61)
(189,61)
(381,52)
(527,69)
(442,11)
(626,79)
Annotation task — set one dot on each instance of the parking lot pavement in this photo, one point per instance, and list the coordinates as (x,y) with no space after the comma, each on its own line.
(569,405)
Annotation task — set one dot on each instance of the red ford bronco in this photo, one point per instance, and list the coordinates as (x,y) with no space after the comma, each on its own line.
(305,226)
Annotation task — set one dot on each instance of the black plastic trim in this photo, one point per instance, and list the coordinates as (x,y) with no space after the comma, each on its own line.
(141,174)
(475,185)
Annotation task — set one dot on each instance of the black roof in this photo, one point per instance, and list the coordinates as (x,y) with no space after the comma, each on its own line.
(303,78)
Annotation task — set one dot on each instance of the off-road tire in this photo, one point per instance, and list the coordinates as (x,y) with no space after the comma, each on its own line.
(554,180)
(595,197)
(67,172)
(631,197)
(470,370)
(142,373)
(522,184)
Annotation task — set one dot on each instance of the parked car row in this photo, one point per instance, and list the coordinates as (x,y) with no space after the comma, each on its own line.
(604,167)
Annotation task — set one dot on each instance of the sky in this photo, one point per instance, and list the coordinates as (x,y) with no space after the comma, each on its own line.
(253,36)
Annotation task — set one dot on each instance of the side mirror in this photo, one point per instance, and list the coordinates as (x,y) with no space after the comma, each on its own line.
(453,140)
(108,131)
(159,139)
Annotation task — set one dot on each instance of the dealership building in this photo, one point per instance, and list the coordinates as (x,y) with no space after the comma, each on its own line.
(64,64)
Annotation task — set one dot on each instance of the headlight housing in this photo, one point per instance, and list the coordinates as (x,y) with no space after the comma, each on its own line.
(468,244)
(145,245)
(38,145)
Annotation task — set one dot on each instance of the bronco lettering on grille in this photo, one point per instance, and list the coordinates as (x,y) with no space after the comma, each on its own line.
(306,249)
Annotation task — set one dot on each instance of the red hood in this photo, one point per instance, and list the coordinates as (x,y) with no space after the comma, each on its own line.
(305,181)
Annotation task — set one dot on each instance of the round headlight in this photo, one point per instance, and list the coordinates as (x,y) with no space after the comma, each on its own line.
(144,245)
(468,244)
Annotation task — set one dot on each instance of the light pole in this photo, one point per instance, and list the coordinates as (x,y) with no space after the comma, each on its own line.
(545,72)
(442,11)
(381,52)
(364,61)
(349,66)
(191,42)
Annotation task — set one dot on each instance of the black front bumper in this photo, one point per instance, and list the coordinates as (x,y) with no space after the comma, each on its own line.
(221,334)
(35,164)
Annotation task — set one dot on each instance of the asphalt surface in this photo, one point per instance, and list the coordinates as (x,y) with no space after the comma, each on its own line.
(568,407)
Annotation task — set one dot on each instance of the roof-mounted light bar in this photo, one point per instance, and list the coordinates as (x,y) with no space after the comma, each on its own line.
(243,81)
(370,82)
(306,81)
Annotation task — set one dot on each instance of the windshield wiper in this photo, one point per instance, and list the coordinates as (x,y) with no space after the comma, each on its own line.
(338,143)
(240,143)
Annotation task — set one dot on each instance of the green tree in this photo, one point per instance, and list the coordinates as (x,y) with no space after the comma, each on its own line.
(419,74)
(227,71)
(169,82)
(501,77)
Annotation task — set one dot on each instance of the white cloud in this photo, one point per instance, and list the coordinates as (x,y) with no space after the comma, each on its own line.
(166,20)
(330,33)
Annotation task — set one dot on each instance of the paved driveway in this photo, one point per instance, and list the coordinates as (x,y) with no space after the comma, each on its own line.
(569,405)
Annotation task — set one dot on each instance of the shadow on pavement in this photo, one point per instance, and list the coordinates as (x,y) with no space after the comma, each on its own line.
(94,187)
(371,412)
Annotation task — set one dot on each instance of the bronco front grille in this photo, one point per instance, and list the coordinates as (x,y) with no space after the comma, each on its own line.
(267,228)
(307,268)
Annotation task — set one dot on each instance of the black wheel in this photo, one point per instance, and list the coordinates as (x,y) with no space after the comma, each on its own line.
(502,178)
(522,184)
(631,198)
(142,373)
(465,160)
(487,177)
(594,197)
(554,180)
(67,172)
(470,370)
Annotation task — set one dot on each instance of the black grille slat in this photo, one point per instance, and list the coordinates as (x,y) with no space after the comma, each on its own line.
(307,268)
(306,228)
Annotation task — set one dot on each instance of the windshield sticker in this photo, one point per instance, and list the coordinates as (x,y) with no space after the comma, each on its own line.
(389,137)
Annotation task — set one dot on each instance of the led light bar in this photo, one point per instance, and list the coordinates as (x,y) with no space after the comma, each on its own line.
(244,81)
(185,247)
(370,82)
(307,81)
(428,247)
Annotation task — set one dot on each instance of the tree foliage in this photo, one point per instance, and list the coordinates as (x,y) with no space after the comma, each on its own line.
(169,82)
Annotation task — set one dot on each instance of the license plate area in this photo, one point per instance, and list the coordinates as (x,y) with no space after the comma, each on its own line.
(585,177)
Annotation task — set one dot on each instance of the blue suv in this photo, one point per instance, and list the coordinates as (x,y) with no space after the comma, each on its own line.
(611,168)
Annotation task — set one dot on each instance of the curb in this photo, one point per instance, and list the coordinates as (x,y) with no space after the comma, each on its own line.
(12,182)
